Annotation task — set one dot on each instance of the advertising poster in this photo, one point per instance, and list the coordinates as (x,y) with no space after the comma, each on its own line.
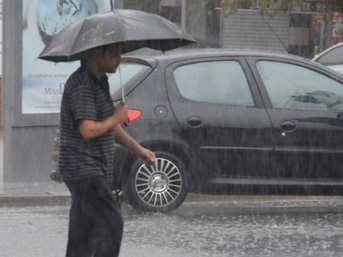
(43,81)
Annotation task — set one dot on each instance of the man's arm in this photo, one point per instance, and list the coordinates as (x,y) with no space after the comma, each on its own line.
(126,140)
(91,129)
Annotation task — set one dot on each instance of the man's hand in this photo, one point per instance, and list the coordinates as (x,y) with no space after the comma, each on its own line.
(126,140)
(120,113)
(147,155)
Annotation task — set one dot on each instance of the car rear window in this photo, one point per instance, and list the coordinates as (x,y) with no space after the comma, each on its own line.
(130,73)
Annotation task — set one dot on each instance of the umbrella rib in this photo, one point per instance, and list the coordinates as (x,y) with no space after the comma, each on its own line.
(78,34)
(117,16)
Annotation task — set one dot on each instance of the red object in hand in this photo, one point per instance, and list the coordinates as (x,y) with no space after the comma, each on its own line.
(133,115)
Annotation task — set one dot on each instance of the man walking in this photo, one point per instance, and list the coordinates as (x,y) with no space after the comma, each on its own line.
(89,125)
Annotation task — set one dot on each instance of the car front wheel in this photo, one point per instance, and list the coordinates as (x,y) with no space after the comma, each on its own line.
(160,187)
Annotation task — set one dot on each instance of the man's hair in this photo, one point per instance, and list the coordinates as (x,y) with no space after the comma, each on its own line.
(102,49)
(87,55)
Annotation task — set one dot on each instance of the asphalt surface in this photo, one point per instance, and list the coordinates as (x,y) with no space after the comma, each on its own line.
(42,231)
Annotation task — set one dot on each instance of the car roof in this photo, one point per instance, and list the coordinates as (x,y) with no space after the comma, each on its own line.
(151,57)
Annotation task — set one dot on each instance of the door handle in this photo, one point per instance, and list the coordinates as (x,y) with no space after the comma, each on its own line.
(288,126)
(194,121)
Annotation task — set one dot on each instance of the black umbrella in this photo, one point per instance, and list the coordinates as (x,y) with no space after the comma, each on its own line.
(135,28)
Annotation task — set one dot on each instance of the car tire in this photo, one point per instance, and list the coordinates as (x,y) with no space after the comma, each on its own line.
(160,187)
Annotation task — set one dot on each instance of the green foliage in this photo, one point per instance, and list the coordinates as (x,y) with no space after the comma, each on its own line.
(143,5)
(266,7)
(229,6)
(272,7)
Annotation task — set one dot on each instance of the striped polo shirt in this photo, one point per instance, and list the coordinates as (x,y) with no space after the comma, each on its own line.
(85,98)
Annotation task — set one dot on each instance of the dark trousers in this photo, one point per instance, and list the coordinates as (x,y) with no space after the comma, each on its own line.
(95,222)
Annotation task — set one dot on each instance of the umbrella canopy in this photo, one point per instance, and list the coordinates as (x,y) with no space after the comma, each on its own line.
(135,28)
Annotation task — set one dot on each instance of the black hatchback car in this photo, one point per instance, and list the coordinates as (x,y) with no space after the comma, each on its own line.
(229,122)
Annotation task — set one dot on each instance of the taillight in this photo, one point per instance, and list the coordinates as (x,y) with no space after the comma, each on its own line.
(133,114)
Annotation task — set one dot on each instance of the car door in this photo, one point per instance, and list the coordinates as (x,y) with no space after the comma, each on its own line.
(305,105)
(221,115)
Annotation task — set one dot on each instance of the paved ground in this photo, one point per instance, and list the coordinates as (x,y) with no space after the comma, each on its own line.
(42,231)
(1,161)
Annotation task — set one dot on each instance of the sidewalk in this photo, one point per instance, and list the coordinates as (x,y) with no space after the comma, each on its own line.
(30,194)
(1,161)
(34,194)
(52,193)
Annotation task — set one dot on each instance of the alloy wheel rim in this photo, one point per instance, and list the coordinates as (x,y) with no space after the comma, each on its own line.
(159,184)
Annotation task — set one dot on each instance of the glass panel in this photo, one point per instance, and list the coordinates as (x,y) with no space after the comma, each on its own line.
(333,57)
(127,71)
(294,87)
(221,82)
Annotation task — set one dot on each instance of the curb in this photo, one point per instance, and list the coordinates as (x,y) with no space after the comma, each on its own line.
(207,205)
(261,207)
(26,201)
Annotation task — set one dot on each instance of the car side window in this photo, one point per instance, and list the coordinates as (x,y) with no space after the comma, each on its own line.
(291,86)
(333,57)
(222,82)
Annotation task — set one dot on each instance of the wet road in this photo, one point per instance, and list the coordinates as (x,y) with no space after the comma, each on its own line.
(42,231)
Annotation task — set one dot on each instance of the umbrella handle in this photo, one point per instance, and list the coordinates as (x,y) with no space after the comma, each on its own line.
(122,90)
(121,85)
